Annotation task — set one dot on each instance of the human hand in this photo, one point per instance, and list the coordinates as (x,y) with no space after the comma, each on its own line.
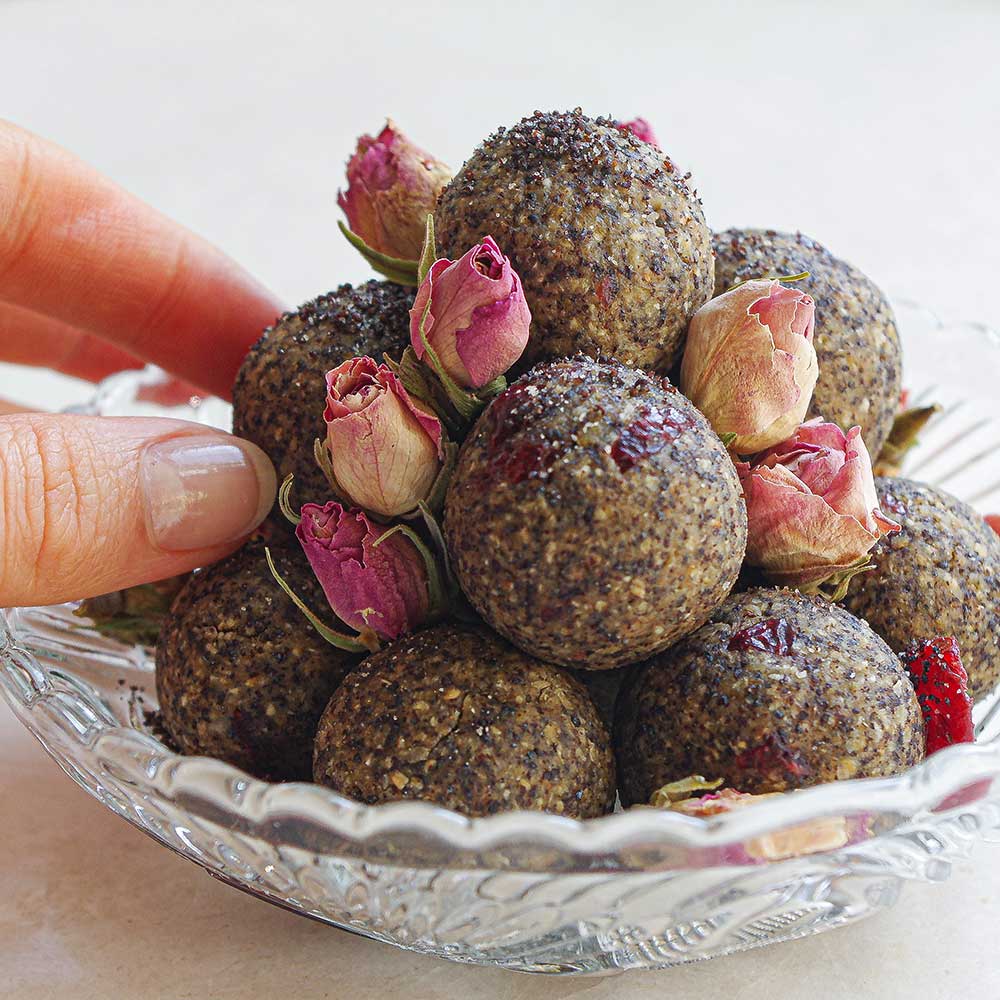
(93,281)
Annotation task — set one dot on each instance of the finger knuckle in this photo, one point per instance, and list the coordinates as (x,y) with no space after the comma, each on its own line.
(20,201)
(161,312)
(48,504)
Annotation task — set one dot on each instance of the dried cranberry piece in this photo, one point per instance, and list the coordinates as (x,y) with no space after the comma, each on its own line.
(518,461)
(649,433)
(505,421)
(893,503)
(770,635)
(773,754)
(941,683)
(993,520)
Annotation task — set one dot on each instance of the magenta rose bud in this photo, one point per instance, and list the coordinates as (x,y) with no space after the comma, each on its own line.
(392,186)
(750,365)
(641,129)
(478,320)
(385,449)
(812,506)
(384,587)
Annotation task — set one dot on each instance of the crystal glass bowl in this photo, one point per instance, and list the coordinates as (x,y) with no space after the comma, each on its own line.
(531,891)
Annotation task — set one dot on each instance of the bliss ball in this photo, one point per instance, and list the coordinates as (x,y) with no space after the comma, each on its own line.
(939,576)
(456,716)
(594,517)
(280,391)
(777,691)
(857,343)
(609,241)
(240,673)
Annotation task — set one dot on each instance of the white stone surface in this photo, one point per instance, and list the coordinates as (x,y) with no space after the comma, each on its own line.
(874,127)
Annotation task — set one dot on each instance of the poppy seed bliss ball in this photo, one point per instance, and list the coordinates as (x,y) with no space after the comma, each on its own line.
(240,674)
(280,393)
(938,576)
(594,516)
(607,237)
(777,691)
(456,716)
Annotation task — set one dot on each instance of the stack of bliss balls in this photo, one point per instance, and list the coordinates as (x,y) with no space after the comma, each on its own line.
(579,503)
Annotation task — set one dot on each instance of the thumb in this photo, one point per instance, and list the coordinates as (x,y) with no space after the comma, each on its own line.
(94,504)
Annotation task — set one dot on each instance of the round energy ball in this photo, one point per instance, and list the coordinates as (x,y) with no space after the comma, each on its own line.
(280,393)
(609,241)
(778,691)
(456,716)
(594,517)
(857,343)
(939,576)
(240,673)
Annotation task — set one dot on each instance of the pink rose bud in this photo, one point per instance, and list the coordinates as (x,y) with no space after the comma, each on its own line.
(392,186)
(383,587)
(386,451)
(478,320)
(750,365)
(641,129)
(812,506)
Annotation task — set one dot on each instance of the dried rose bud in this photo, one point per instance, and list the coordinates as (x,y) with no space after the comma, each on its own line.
(812,506)
(384,588)
(807,838)
(478,319)
(750,365)
(386,451)
(392,186)
(641,129)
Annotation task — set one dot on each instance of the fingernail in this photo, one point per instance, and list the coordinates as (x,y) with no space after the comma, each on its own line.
(204,490)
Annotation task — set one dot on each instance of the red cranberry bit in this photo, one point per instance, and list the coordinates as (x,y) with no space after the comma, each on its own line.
(941,684)
(993,520)
(771,635)
(525,460)
(649,433)
(506,421)
(774,754)
(893,503)
(518,461)
(605,291)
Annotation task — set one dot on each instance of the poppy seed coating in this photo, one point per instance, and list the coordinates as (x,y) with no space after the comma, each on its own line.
(778,691)
(857,343)
(456,716)
(240,673)
(280,391)
(594,517)
(609,241)
(939,576)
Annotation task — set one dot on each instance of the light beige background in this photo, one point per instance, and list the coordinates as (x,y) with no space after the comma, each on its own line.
(874,127)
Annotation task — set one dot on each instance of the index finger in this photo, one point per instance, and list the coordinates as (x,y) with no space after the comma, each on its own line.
(75,246)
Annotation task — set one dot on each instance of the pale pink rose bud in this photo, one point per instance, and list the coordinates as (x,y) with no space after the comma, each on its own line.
(478,320)
(385,449)
(641,129)
(826,834)
(392,186)
(384,588)
(750,365)
(812,506)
